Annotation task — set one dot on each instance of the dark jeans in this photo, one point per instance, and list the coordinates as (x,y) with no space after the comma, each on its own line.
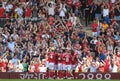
(87,19)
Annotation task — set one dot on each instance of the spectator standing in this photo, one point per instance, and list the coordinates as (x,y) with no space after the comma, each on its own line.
(94,26)
(2,12)
(51,8)
(117,11)
(86,12)
(28,12)
(98,10)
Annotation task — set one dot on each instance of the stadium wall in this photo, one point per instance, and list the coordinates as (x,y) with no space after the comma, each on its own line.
(16,75)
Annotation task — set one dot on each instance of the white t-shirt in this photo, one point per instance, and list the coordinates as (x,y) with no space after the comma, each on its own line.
(3,4)
(114,69)
(62,12)
(51,11)
(43,69)
(19,68)
(9,7)
(73,20)
(105,12)
(95,41)
(113,1)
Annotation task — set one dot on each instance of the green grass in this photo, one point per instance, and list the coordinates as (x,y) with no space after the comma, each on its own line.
(51,80)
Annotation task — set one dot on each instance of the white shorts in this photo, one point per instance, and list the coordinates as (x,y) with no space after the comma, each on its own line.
(59,67)
(74,67)
(63,66)
(51,66)
(67,67)
(47,64)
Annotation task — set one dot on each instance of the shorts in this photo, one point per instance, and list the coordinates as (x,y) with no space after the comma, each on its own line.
(51,66)
(74,66)
(59,67)
(66,67)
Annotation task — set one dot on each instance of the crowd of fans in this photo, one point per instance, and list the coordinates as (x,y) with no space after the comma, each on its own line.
(59,41)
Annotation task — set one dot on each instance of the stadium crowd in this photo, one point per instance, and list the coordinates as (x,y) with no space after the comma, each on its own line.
(59,41)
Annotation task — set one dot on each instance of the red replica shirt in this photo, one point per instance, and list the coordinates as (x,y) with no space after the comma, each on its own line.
(28,12)
(67,58)
(59,58)
(107,65)
(2,12)
(74,59)
(51,57)
(37,67)
(4,65)
(94,27)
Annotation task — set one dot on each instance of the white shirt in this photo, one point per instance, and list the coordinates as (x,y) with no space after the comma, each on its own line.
(105,12)
(14,36)
(114,69)
(73,20)
(9,7)
(95,41)
(3,4)
(51,11)
(62,12)
(19,11)
(113,1)
(19,68)
(43,69)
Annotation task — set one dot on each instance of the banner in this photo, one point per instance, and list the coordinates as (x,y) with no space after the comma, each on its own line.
(98,76)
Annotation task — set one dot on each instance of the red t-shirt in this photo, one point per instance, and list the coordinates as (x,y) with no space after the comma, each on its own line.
(89,2)
(107,65)
(78,4)
(2,10)
(22,0)
(74,59)
(79,68)
(69,2)
(101,69)
(51,57)
(10,65)
(59,58)
(94,27)
(84,44)
(69,24)
(67,58)
(28,12)
(0,64)
(37,67)
(4,65)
